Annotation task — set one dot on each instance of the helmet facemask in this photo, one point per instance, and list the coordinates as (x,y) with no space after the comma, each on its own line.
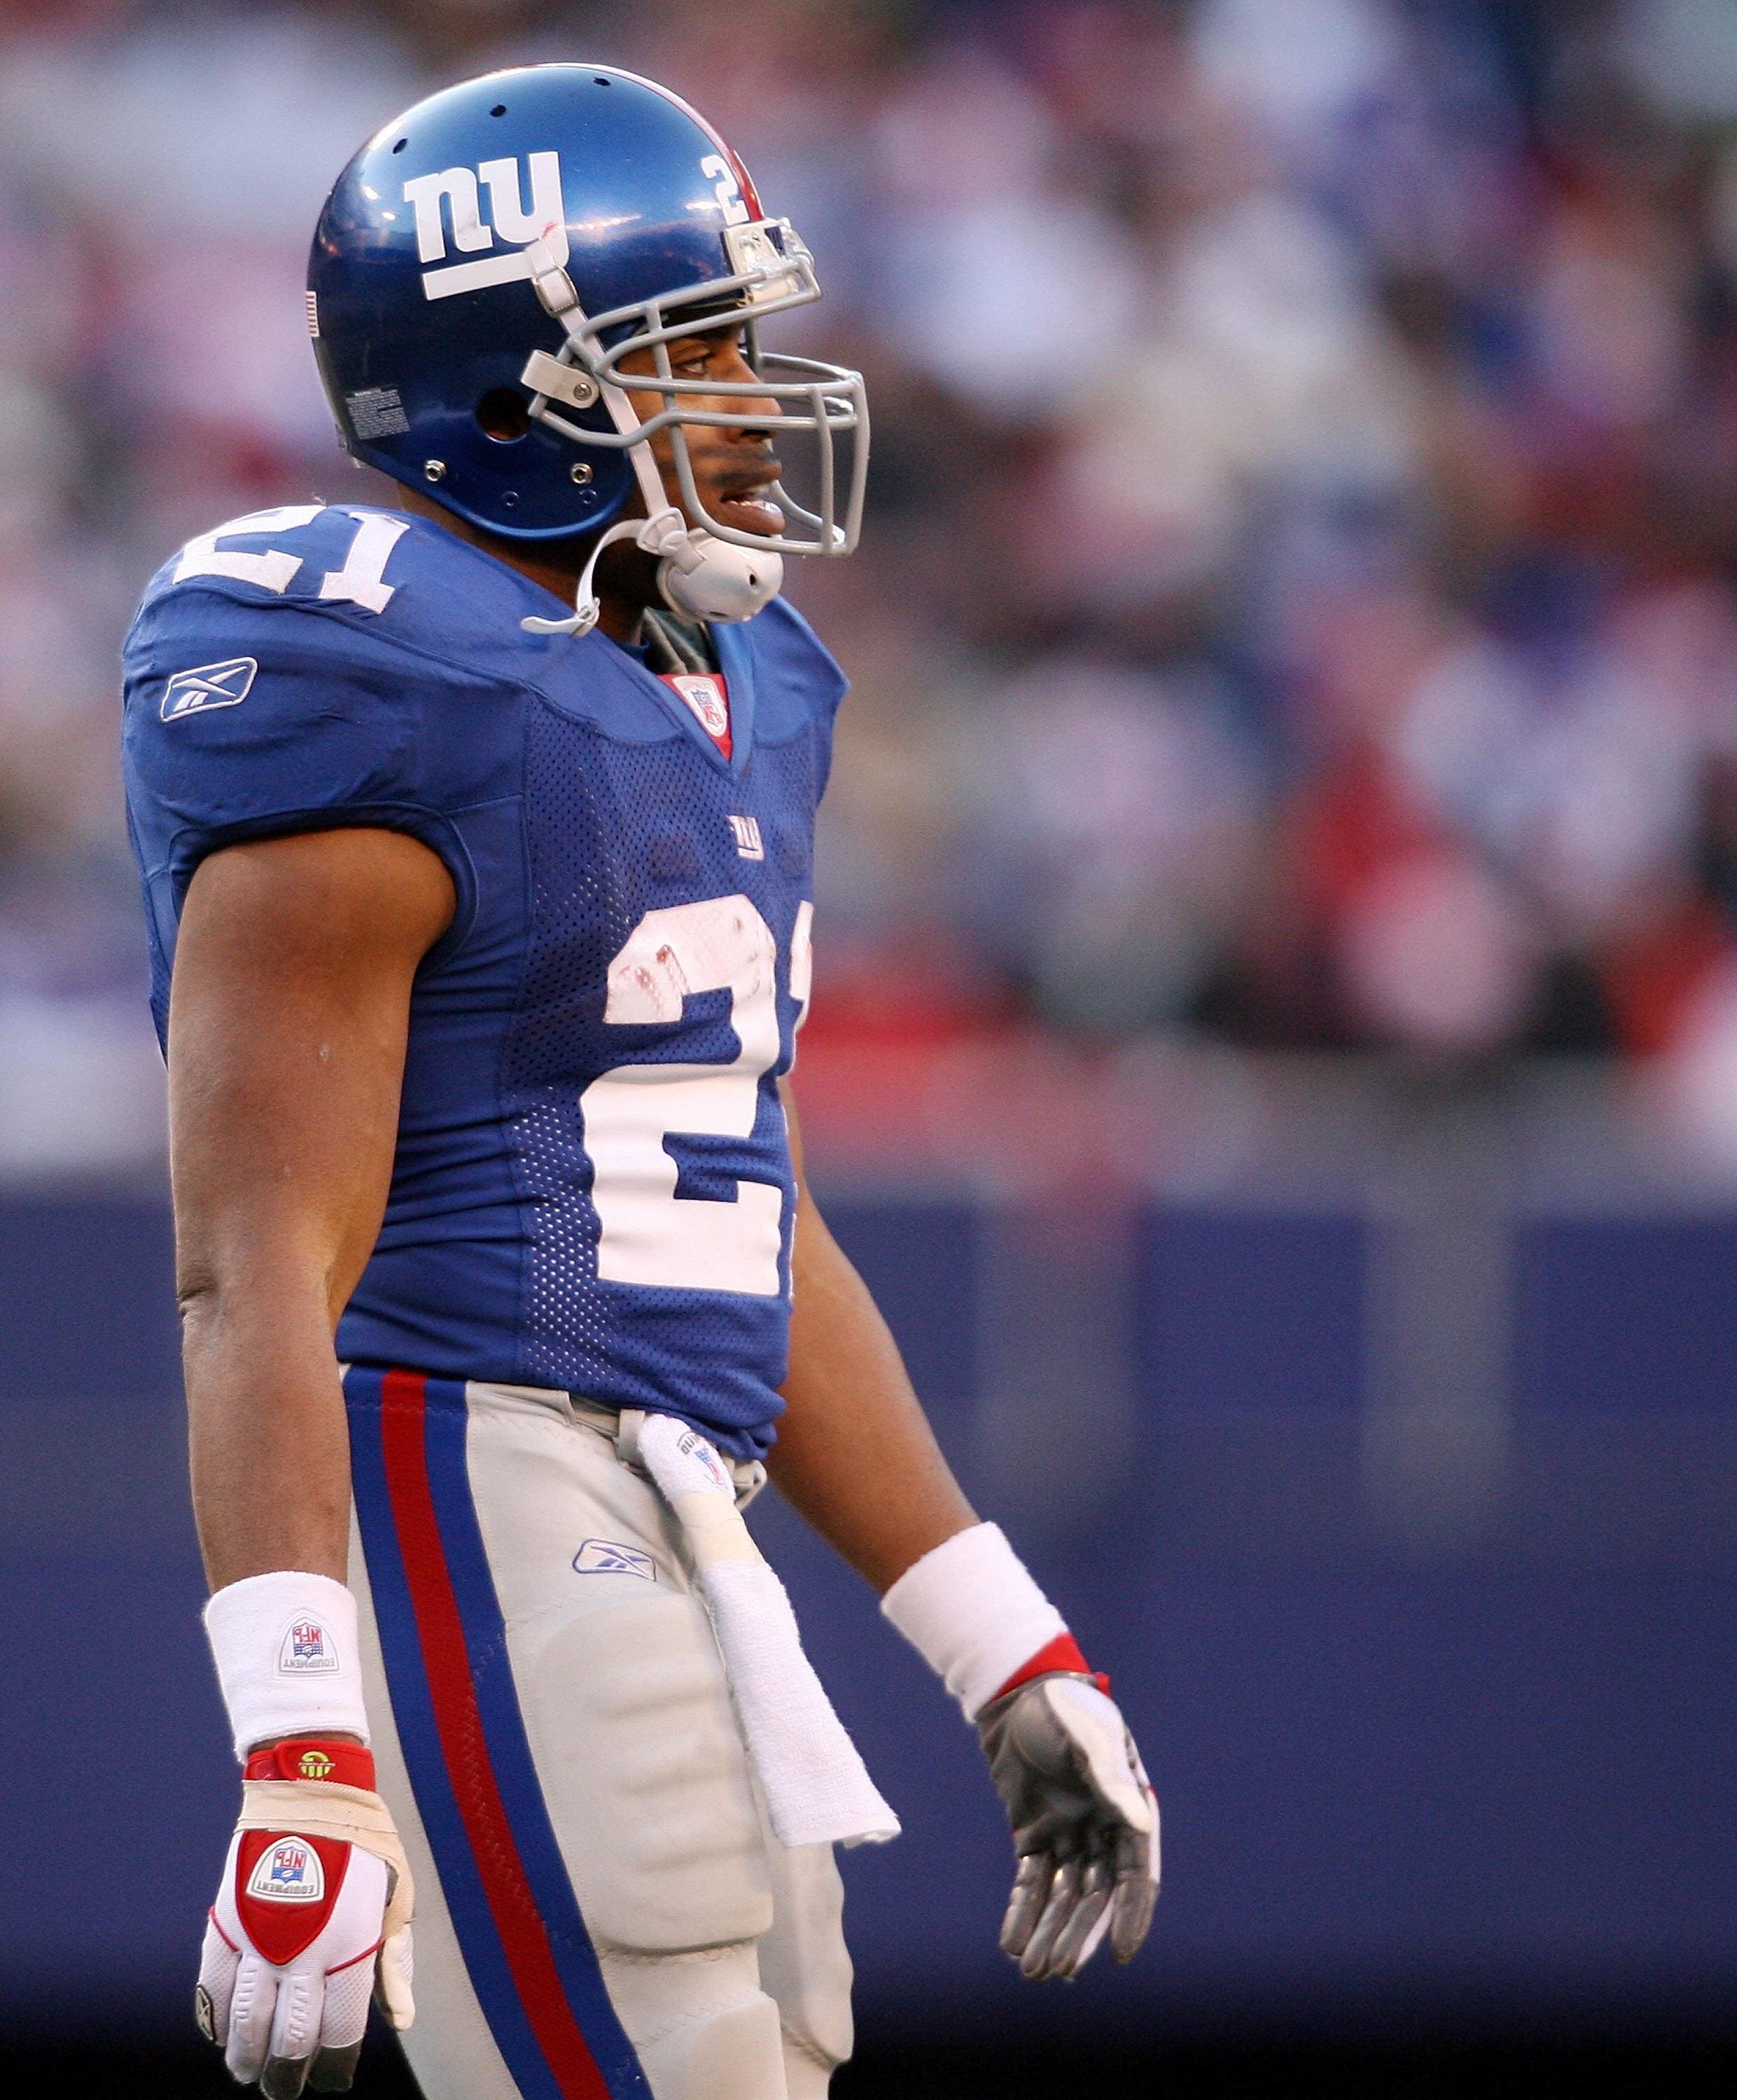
(773,272)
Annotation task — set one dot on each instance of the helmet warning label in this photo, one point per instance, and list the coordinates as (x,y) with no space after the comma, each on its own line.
(377,412)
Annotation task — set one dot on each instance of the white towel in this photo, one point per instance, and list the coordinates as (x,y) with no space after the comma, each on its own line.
(817,1789)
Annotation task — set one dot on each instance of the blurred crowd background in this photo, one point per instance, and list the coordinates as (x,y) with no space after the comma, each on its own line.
(1297,609)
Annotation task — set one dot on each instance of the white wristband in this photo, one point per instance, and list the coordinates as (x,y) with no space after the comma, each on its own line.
(288,1658)
(971,1610)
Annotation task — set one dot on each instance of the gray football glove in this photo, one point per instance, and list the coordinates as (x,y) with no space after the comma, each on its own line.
(1085,1824)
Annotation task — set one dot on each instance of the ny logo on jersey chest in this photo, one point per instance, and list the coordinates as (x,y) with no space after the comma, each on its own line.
(745,831)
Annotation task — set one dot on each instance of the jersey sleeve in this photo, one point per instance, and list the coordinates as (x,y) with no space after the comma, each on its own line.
(250,719)
(250,713)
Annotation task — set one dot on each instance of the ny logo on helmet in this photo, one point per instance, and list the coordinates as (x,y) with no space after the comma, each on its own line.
(458,187)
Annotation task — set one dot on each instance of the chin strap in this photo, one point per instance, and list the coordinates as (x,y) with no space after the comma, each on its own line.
(698,576)
(655,535)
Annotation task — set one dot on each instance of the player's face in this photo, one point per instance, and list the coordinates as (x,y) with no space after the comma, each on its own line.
(731,468)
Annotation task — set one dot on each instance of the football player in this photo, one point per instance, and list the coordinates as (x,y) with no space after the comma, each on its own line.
(476,838)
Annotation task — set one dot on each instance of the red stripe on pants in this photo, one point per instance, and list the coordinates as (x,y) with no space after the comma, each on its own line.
(446,1660)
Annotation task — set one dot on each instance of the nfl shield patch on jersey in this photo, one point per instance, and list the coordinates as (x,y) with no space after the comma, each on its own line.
(708,696)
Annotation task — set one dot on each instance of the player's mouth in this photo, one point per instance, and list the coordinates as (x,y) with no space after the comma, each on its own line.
(740,499)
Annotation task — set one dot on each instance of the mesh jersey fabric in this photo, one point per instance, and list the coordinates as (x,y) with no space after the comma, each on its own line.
(590,1081)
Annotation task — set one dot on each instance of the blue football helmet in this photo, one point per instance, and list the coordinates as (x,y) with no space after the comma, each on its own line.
(483,266)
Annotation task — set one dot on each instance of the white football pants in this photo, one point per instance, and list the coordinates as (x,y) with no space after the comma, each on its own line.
(601,1905)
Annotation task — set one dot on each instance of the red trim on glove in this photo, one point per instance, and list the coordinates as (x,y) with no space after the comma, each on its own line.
(367,1954)
(1061,1653)
(312,1757)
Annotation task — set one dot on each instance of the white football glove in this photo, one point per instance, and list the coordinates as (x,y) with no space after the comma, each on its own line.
(313,1916)
(1085,1824)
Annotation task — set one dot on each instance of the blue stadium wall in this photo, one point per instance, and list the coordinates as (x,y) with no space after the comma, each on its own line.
(1494,1786)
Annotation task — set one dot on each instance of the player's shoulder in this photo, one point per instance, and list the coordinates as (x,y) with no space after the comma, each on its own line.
(315,659)
(324,583)
(796,677)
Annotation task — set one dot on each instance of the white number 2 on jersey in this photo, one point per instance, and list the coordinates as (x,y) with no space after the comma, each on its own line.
(648,1234)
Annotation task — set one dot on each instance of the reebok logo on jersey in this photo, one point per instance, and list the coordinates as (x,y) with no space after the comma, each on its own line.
(289,1871)
(306,1650)
(211,686)
(746,832)
(603,1556)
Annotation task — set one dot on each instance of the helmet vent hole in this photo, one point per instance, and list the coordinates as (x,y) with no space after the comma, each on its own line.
(499,110)
(601,79)
(400,145)
(504,415)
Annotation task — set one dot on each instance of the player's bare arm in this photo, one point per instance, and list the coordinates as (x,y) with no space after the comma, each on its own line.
(286,1048)
(857,1456)
(855,1453)
(287,1025)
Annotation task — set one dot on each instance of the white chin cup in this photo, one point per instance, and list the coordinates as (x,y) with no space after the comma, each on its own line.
(707,579)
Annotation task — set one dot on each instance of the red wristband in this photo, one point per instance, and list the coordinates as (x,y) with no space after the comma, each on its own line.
(305,1757)
(1061,1653)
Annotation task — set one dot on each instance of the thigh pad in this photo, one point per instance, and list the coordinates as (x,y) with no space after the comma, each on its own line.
(644,1773)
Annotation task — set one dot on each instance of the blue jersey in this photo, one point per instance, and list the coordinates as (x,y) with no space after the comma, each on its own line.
(592,1188)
